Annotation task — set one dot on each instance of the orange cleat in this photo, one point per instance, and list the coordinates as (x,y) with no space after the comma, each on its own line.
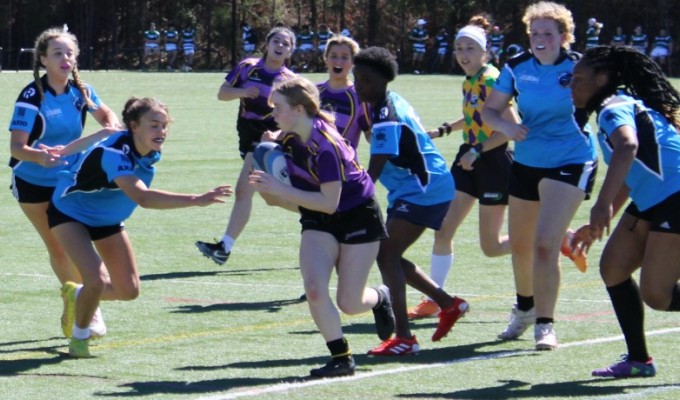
(575,255)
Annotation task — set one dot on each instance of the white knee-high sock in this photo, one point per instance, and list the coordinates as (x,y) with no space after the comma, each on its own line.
(439,268)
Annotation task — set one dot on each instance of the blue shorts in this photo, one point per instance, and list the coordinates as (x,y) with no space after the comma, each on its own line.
(26,192)
(663,217)
(524,180)
(56,217)
(427,216)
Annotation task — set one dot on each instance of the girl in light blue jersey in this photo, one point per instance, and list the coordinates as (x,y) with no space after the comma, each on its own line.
(51,111)
(92,199)
(637,112)
(420,189)
(554,166)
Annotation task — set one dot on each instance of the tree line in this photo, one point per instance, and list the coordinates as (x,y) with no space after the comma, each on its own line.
(111,31)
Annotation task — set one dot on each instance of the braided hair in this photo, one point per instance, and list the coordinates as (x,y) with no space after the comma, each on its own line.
(638,75)
(41,44)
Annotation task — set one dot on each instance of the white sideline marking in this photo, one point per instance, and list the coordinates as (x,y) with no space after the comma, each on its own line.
(283,387)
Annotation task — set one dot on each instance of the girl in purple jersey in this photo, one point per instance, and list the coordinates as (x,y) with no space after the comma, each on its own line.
(341,222)
(251,83)
(338,94)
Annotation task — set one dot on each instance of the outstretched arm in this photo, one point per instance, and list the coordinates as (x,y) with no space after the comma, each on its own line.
(134,188)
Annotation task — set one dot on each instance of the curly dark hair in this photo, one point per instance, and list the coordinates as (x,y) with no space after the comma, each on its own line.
(637,74)
(380,59)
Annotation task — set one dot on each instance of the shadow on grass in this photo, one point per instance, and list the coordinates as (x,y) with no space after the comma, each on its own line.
(213,385)
(217,272)
(364,365)
(269,306)
(514,389)
(15,367)
(428,356)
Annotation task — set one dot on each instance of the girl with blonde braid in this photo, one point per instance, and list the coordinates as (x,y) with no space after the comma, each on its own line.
(51,111)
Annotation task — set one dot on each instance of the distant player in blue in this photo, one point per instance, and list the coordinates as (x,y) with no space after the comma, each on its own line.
(342,224)
(51,111)
(619,38)
(593,33)
(171,38)
(188,46)
(639,140)
(420,189)
(251,83)
(94,196)
(662,50)
(418,37)
(638,40)
(248,39)
(338,94)
(554,166)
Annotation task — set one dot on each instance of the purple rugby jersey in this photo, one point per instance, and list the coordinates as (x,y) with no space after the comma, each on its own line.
(252,72)
(326,157)
(351,116)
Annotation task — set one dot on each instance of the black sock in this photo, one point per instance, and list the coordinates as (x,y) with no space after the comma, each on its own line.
(525,303)
(545,320)
(630,312)
(339,349)
(675,299)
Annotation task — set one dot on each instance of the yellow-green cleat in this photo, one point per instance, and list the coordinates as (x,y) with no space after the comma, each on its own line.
(79,348)
(68,316)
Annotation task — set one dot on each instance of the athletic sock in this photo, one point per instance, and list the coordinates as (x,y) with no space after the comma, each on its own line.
(81,333)
(228,242)
(543,320)
(630,312)
(675,299)
(525,303)
(440,265)
(339,348)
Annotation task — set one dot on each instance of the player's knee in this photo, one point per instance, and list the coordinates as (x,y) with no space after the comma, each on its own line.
(656,298)
(129,292)
(349,304)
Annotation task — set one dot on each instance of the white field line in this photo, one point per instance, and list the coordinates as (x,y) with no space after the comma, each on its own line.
(283,387)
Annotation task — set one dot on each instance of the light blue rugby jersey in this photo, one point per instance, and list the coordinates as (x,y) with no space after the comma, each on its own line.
(558,133)
(655,173)
(87,191)
(56,120)
(416,171)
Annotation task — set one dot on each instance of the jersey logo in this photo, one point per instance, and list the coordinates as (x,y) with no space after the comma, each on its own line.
(30,92)
(564,79)
(384,112)
(528,78)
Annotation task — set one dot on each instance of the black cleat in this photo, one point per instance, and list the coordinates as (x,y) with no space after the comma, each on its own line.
(383,314)
(214,251)
(335,368)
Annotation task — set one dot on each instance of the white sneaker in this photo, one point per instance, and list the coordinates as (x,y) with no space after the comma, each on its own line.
(546,338)
(97,325)
(520,321)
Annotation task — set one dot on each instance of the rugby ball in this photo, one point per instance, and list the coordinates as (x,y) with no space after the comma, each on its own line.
(269,157)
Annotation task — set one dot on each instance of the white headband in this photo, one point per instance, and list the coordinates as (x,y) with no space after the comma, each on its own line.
(475,33)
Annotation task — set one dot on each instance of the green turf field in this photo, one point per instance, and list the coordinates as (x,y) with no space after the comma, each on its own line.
(199,331)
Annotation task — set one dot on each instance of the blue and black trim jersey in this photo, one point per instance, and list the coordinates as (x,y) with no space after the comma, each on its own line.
(87,191)
(558,132)
(53,121)
(416,171)
(655,173)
